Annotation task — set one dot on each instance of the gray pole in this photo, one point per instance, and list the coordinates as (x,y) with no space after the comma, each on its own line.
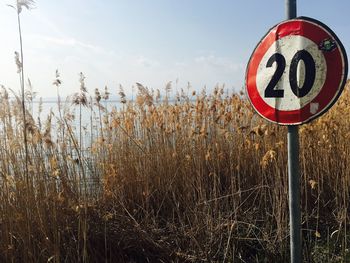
(293,173)
(294,195)
(291,9)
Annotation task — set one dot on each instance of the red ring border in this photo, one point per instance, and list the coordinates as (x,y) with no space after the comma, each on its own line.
(337,67)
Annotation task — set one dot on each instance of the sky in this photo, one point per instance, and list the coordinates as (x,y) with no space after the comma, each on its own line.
(121,42)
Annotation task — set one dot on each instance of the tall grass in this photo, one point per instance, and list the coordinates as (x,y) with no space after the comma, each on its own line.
(200,179)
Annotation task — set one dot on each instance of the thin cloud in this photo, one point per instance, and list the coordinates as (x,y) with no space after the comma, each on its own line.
(146,62)
(219,62)
(68,42)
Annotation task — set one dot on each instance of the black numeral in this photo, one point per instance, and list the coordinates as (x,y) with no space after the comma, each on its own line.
(271,90)
(310,73)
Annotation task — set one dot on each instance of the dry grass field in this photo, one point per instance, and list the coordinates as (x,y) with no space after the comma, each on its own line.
(198,179)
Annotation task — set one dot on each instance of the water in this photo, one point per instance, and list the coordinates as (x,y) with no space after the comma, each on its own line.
(89,118)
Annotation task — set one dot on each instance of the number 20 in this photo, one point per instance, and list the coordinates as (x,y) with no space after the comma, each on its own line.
(310,73)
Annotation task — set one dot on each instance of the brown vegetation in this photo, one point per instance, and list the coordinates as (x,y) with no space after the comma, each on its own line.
(201,179)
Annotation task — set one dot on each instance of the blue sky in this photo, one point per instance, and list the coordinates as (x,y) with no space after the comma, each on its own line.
(148,41)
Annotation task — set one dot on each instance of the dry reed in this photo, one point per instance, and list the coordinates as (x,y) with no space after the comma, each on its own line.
(200,179)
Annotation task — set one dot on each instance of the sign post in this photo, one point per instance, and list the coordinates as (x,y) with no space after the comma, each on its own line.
(294,174)
(294,194)
(295,74)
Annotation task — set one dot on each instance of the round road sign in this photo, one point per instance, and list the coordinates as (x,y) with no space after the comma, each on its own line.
(296,72)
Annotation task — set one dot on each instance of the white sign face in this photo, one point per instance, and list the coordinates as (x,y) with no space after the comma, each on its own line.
(296,72)
(289,46)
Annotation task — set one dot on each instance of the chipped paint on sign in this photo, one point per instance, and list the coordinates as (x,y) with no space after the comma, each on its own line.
(314,107)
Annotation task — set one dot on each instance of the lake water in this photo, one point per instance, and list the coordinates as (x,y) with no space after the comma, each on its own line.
(90,118)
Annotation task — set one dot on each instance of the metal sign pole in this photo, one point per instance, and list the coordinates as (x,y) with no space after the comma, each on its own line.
(293,173)
(291,9)
(294,194)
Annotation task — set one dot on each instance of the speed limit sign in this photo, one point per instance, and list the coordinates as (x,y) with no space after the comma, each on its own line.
(296,72)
